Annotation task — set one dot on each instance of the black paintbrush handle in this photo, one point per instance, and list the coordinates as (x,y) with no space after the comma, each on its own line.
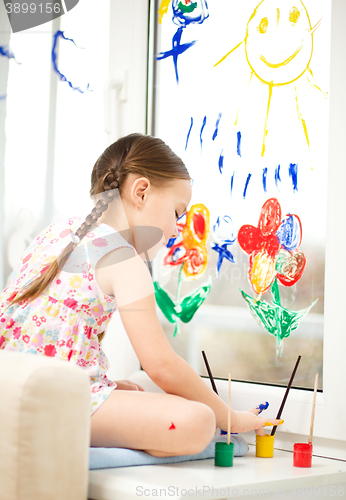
(286,394)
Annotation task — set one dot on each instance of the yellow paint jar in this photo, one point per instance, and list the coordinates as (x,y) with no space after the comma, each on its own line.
(265,446)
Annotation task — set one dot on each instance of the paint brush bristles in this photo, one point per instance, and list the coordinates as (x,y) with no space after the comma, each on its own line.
(313,409)
(286,394)
(209,373)
(229,410)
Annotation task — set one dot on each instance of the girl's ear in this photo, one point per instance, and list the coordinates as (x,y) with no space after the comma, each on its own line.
(139,191)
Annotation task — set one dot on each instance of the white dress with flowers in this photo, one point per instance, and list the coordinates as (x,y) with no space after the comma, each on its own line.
(64,321)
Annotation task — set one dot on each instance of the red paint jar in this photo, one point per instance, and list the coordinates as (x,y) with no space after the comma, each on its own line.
(302,454)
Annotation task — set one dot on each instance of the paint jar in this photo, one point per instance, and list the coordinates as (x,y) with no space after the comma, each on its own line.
(224,454)
(265,446)
(302,454)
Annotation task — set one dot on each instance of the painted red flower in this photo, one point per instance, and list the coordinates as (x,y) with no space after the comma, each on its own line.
(272,247)
(10,323)
(2,340)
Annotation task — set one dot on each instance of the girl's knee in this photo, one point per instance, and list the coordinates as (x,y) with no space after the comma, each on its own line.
(204,427)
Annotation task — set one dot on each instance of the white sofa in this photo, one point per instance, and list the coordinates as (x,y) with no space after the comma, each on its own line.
(44,428)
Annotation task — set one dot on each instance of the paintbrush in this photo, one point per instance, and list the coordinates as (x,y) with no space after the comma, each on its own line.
(286,394)
(209,372)
(229,410)
(313,409)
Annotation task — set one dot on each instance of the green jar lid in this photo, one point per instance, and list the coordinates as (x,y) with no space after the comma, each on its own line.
(224,454)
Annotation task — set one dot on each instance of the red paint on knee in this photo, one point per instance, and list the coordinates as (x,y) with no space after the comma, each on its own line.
(172,426)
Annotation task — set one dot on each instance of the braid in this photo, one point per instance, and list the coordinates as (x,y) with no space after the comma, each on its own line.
(100,207)
(144,155)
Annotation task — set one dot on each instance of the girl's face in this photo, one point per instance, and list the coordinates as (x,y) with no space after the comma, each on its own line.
(157,207)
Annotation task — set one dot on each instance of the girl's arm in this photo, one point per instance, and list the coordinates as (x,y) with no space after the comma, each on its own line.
(134,292)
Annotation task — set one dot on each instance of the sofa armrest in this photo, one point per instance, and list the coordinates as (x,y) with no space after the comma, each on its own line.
(44,428)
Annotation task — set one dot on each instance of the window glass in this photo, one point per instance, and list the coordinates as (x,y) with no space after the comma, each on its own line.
(241,94)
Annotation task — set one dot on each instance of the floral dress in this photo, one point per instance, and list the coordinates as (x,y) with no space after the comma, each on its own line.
(64,321)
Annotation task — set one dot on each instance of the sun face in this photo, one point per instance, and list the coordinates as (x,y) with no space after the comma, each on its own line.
(279,41)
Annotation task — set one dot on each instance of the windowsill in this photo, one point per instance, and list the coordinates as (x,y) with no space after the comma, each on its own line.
(201,478)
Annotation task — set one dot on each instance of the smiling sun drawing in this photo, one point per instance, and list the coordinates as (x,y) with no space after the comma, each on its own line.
(278,48)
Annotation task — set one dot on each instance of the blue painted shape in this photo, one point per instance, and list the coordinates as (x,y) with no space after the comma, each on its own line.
(228,220)
(195,13)
(238,143)
(224,253)
(60,34)
(177,49)
(262,406)
(293,173)
(289,233)
(202,128)
(232,179)
(171,242)
(277,176)
(221,161)
(246,185)
(264,179)
(188,134)
(7,52)
(217,126)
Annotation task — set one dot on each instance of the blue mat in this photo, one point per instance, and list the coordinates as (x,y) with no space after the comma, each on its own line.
(105,458)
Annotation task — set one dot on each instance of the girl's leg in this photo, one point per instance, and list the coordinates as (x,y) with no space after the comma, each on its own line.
(160,424)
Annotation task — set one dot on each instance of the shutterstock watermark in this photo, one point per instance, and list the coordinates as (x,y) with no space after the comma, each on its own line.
(24,15)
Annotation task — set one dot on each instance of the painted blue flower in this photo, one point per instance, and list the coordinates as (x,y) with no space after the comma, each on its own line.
(187,12)
(223,234)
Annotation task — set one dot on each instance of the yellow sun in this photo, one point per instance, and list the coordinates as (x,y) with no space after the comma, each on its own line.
(278,48)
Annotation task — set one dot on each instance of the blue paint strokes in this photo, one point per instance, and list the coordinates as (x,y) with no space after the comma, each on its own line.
(171,242)
(226,219)
(184,15)
(290,232)
(221,161)
(202,128)
(7,52)
(188,134)
(293,173)
(217,126)
(277,176)
(264,179)
(246,185)
(177,49)
(238,143)
(62,77)
(262,406)
(232,179)
(224,253)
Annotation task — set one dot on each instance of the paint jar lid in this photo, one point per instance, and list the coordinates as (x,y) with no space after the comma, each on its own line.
(302,447)
(224,454)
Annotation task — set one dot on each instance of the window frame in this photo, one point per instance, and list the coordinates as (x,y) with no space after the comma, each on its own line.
(330,405)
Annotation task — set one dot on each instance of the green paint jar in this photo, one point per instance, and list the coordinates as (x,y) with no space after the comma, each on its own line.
(224,454)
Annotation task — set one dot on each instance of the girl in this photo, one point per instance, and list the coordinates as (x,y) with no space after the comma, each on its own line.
(72,278)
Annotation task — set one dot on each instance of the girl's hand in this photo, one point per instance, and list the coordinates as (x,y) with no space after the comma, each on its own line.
(127,385)
(244,421)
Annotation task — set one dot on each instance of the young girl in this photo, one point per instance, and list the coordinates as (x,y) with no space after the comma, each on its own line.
(74,276)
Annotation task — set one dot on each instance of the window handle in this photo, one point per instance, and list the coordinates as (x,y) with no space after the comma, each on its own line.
(120,85)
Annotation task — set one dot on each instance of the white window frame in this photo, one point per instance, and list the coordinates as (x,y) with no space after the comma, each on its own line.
(330,423)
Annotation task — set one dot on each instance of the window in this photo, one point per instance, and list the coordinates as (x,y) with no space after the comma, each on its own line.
(252,127)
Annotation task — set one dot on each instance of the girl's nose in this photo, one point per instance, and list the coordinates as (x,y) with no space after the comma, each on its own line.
(176,232)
